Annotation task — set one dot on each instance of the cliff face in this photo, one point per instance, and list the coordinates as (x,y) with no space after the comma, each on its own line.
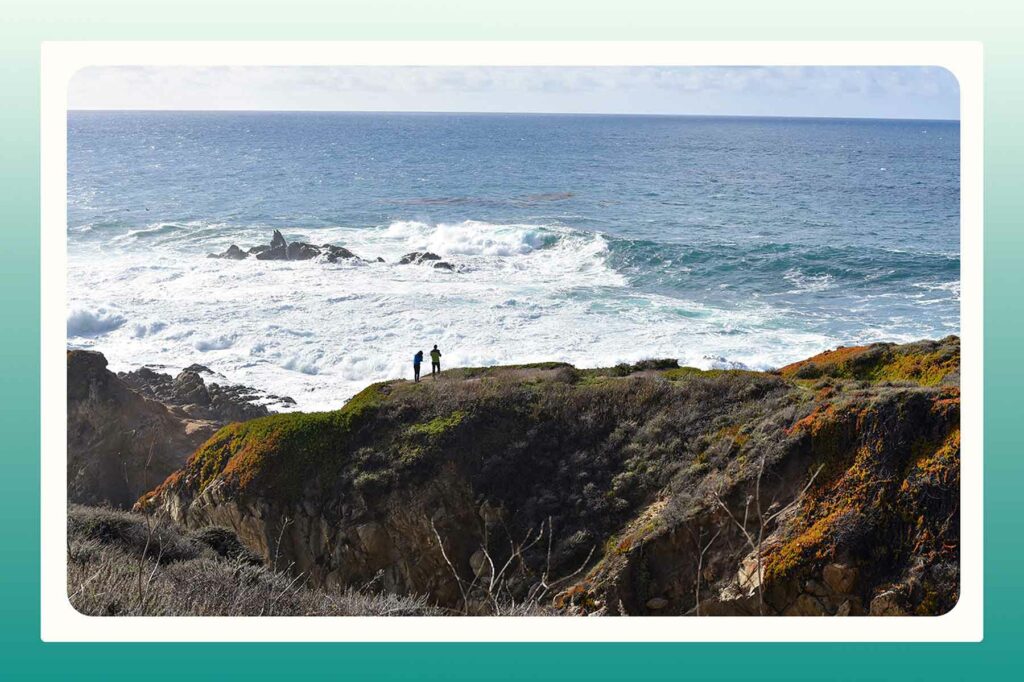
(127,433)
(829,487)
(119,443)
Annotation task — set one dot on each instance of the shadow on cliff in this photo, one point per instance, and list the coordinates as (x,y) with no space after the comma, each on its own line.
(830,487)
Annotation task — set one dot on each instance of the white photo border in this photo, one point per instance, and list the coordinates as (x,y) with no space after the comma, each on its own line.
(60,622)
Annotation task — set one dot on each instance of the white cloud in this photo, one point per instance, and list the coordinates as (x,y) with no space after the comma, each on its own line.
(756,90)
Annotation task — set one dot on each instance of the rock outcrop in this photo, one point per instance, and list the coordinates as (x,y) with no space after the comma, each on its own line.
(127,432)
(418,257)
(830,487)
(232,253)
(119,442)
(189,392)
(280,249)
(424,257)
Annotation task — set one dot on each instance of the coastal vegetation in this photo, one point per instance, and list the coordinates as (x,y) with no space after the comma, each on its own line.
(829,487)
(123,564)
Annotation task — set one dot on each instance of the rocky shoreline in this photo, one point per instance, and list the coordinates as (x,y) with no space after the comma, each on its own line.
(189,391)
(130,430)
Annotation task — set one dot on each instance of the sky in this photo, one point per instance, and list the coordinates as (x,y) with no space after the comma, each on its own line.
(855,92)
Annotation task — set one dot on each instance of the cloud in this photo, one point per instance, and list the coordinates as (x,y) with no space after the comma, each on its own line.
(857,91)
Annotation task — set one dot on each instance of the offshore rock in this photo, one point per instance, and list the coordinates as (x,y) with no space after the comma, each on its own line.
(232,253)
(281,249)
(418,258)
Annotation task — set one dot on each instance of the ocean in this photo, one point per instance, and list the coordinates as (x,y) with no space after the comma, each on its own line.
(721,242)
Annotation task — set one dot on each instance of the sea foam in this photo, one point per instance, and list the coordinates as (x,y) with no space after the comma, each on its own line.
(91,322)
(320,332)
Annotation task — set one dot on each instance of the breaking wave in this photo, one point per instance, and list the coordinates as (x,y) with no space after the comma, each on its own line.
(86,322)
(522,292)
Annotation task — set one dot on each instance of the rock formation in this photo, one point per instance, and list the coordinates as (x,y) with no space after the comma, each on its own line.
(830,487)
(280,249)
(189,392)
(418,258)
(424,257)
(118,441)
(128,432)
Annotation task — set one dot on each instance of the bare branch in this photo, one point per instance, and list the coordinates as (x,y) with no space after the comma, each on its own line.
(451,566)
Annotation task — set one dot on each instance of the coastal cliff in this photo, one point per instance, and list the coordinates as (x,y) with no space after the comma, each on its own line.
(129,431)
(829,487)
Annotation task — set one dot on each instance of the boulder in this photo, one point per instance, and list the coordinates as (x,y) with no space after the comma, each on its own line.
(888,603)
(373,539)
(277,241)
(273,253)
(336,253)
(479,563)
(418,257)
(748,576)
(189,394)
(86,373)
(839,578)
(657,603)
(491,515)
(278,249)
(816,588)
(806,605)
(233,253)
(301,251)
(443,265)
(240,403)
(189,388)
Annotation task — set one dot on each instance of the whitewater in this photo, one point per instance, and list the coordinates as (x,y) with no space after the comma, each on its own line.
(593,275)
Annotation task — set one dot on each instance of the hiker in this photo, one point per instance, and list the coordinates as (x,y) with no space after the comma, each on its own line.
(435,361)
(417,360)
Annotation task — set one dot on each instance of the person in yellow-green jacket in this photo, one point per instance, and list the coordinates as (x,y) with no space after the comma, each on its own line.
(435,362)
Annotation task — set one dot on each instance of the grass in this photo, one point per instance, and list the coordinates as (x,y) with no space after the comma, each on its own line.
(278,451)
(207,573)
(438,426)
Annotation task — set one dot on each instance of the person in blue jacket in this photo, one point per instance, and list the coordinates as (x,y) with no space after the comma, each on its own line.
(417,360)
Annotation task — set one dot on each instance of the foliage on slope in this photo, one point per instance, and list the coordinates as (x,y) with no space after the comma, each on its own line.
(121,565)
(594,452)
(928,363)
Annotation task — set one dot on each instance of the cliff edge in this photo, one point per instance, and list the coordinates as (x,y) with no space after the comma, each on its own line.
(829,487)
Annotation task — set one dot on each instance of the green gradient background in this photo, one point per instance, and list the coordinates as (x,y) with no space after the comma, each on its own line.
(23,26)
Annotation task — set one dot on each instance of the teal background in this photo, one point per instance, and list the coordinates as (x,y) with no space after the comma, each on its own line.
(23,25)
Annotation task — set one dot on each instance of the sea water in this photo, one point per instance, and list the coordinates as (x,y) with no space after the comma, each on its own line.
(721,242)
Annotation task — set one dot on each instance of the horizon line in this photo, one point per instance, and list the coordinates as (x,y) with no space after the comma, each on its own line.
(515,113)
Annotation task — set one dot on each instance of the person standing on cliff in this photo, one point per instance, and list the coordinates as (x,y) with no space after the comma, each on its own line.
(435,362)
(417,360)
